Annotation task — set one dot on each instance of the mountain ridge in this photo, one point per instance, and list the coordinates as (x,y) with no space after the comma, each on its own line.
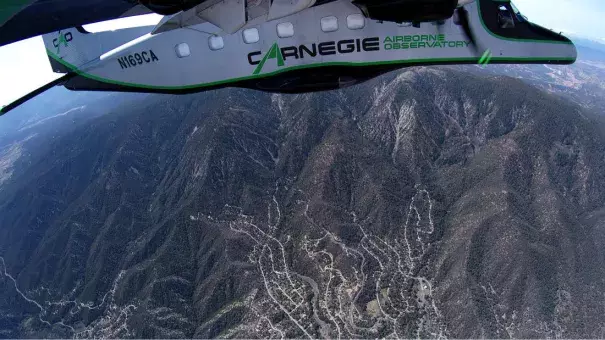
(382,209)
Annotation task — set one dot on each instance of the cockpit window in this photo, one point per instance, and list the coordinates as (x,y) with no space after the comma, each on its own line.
(518,14)
(505,17)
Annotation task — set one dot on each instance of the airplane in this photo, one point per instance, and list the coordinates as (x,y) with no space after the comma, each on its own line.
(284,46)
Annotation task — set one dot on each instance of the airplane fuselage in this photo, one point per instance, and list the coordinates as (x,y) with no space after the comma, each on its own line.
(327,46)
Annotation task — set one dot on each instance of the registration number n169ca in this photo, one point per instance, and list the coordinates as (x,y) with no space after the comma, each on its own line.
(136,59)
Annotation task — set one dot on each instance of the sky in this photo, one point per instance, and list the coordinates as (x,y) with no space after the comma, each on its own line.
(25,67)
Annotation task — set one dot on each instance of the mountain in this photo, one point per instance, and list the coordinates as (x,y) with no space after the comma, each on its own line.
(426,203)
(583,82)
(587,43)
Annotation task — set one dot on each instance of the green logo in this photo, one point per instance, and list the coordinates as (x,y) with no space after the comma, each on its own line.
(273,53)
(485,58)
(63,38)
(404,42)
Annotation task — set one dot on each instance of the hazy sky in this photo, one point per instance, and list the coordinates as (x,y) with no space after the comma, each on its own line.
(25,67)
(580,17)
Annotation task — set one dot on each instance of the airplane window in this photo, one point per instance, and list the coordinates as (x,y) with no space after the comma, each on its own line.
(215,42)
(285,30)
(251,35)
(329,24)
(505,17)
(182,50)
(356,21)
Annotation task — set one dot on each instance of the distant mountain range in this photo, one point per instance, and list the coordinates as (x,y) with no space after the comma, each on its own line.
(583,42)
(582,82)
(432,202)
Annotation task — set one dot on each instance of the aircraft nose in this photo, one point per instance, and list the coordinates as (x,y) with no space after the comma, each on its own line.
(571,51)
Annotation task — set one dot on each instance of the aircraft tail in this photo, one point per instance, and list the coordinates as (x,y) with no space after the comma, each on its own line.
(71,49)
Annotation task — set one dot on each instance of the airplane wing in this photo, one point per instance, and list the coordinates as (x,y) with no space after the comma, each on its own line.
(22,19)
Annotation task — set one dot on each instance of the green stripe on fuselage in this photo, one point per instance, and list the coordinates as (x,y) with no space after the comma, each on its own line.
(226,82)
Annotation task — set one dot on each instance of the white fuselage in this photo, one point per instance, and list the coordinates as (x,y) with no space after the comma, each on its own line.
(332,34)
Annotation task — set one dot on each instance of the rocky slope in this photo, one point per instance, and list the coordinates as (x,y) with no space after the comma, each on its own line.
(425,203)
(583,82)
